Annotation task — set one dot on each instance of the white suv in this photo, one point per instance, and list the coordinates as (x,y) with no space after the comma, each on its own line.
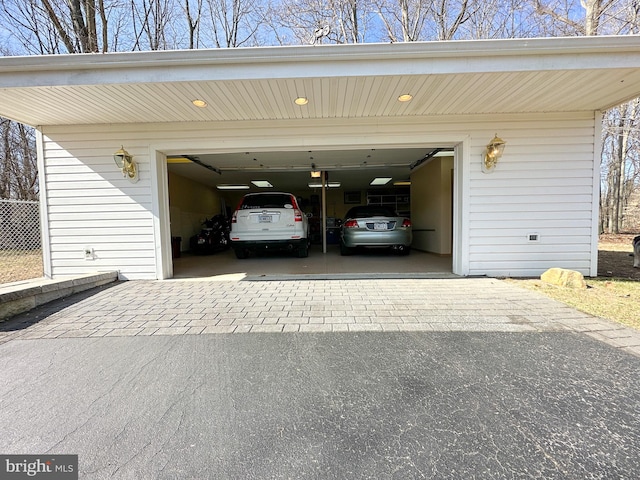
(269,221)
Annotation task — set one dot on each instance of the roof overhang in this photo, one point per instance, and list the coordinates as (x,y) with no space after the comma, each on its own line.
(341,81)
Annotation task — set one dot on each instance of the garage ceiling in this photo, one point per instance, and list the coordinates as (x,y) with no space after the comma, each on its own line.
(290,171)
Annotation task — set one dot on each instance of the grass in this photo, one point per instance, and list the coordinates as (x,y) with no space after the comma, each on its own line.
(18,265)
(614,294)
(614,299)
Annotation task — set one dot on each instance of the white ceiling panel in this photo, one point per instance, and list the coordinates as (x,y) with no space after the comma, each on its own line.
(341,81)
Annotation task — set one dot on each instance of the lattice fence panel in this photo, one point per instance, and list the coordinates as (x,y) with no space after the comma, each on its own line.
(20,241)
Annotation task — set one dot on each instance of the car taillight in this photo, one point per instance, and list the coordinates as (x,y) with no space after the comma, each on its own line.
(234,217)
(297,215)
(406,223)
(351,224)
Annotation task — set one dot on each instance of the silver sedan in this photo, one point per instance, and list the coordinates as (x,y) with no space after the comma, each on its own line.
(375,226)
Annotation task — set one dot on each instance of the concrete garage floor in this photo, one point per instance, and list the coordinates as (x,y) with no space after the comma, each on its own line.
(367,262)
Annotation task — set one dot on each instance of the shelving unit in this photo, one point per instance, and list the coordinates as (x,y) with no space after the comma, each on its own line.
(401,201)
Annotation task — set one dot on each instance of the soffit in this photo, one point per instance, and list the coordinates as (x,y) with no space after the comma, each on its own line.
(341,81)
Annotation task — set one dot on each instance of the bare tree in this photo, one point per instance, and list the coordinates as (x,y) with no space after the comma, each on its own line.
(620,126)
(500,19)
(620,164)
(150,20)
(55,26)
(76,26)
(30,25)
(193,14)
(449,15)
(321,21)
(583,17)
(351,20)
(18,171)
(234,23)
(413,20)
(404,20)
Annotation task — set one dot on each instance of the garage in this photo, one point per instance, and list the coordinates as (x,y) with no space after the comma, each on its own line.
(371,176)
(426,113)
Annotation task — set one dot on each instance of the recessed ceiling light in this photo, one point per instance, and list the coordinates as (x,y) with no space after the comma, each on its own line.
(199,103)
(226,186)
(405,97)
(301,101)
(319,185)
(261,183)
(380,181)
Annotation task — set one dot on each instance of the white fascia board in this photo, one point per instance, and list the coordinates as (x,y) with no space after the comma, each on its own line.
(411,58)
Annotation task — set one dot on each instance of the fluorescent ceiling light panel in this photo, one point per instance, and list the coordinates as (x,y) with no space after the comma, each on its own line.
(380,181)
(319,185)
(226,186)
(262,183)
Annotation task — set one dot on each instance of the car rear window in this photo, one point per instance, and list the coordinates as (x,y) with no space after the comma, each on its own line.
(267,200)
(370,211)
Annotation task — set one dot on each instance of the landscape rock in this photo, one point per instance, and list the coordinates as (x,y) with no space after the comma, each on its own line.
(564,278)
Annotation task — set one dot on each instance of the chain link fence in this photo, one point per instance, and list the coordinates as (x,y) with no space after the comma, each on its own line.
(20,241)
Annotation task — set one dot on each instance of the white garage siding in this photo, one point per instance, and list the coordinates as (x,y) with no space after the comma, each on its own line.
(544,184)
(90,205)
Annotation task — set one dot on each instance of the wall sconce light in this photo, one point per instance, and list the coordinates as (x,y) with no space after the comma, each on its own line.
(492,154)
(315,173)
(125,162)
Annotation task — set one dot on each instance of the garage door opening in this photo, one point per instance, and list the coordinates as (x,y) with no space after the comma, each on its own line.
(415,182)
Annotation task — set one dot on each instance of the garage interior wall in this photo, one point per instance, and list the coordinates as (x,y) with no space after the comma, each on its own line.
(431,206)
(190,203)
(543,185)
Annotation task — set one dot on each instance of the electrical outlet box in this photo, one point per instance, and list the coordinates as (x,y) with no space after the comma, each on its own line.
(88,253)
(533,237)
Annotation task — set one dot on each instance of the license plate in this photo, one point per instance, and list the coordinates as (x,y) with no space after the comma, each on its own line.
(264,219)
(380,226)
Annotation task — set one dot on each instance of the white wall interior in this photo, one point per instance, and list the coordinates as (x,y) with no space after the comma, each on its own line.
(543,184)
(431,206)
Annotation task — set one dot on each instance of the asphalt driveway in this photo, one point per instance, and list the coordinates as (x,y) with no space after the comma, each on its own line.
(544,402)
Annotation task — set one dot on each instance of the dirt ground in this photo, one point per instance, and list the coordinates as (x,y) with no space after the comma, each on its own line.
(614,257)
